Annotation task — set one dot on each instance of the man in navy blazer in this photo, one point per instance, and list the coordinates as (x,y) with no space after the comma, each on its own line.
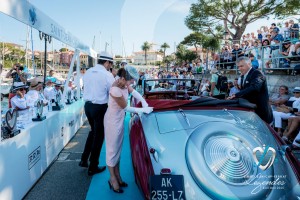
(254,89)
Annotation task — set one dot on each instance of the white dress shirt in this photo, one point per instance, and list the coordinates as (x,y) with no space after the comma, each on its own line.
(296,103)
(21,103)
(53,94)
(32,96)
(70,89)
(97,82)
(48,92)
(245,76)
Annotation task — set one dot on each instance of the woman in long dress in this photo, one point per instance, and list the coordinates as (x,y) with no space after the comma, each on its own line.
(114,122)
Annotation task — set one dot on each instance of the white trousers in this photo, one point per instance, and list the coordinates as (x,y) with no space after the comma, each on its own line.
(278,117)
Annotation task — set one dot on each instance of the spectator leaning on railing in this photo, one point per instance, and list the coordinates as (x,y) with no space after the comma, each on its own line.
(294,29)
(285,53)
(266,53)
(276,38)
(295,51)
(254,61)
(265,32)
(236,52)
(285,31)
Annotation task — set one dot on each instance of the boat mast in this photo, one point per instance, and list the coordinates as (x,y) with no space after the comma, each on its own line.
(26,47)
(123,49)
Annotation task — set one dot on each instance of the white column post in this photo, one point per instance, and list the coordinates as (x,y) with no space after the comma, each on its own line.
(69,75)
(77,81)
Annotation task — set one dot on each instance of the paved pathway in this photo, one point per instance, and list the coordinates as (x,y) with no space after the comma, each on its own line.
(66,180)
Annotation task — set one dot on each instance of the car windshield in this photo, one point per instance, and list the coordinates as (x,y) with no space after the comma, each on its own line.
(170,84)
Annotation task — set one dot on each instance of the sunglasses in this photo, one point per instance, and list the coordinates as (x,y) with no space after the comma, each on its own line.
(21,89)
(296,92)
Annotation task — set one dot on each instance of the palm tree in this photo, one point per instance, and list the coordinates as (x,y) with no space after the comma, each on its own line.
(145,47)
(164,46)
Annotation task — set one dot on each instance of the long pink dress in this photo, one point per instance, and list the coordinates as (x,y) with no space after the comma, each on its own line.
(114,126)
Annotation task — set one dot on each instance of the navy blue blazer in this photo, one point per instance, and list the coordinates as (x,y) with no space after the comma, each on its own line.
(255,90)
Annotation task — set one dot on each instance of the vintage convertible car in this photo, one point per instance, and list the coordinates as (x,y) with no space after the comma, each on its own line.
(204,148)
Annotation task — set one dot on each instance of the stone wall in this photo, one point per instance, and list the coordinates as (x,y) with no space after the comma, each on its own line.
(274,81)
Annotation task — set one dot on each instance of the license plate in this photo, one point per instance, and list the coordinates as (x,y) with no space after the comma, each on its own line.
(167,187)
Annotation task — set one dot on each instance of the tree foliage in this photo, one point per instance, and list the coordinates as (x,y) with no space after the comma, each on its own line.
(194,39)
(164,47)
(64,50)
(183,54)
(212,43)
(233,16)
(146,47)
(205,41)
(168,59)
(11,55)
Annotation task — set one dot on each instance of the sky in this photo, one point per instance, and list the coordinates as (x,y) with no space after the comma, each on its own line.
(124,25)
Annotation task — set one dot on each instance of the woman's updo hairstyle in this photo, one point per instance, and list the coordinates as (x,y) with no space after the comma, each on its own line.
(128,73)
(122,73)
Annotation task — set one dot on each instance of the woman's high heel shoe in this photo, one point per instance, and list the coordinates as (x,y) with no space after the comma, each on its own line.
(123,184)
(115,190)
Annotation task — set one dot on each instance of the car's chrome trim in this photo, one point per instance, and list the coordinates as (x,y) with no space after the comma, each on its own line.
(185,117)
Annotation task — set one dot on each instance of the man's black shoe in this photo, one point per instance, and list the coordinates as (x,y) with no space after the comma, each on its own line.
(97,170)
(83,164)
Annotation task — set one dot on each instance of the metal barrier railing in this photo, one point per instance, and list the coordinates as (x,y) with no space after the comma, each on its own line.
(275,59)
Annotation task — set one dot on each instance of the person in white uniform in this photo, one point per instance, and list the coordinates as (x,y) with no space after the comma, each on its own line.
(56,90)
(97,82)
(71,88)
(123,63)
(19,101)
(35,93)
(48,90)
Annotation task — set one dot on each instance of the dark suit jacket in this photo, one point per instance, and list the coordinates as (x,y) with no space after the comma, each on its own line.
(255,91)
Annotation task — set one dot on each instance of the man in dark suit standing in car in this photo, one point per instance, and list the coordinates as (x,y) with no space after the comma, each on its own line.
(254,89)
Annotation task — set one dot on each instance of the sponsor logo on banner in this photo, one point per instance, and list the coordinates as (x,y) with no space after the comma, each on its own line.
(71,123)
(32,15)
(62,131)
(34,157)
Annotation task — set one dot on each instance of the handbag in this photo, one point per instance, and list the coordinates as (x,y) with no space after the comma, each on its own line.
(283,109)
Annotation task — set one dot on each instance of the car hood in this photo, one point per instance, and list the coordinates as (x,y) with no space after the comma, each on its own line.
(171,121)
(215,151)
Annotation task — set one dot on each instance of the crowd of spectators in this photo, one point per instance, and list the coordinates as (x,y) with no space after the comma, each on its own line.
(272,47)
(286,107)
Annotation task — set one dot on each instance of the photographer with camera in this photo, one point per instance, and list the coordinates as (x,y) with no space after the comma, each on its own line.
(18,76)
(16,72)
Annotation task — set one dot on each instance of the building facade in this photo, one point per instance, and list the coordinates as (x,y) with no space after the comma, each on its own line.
(152,57)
